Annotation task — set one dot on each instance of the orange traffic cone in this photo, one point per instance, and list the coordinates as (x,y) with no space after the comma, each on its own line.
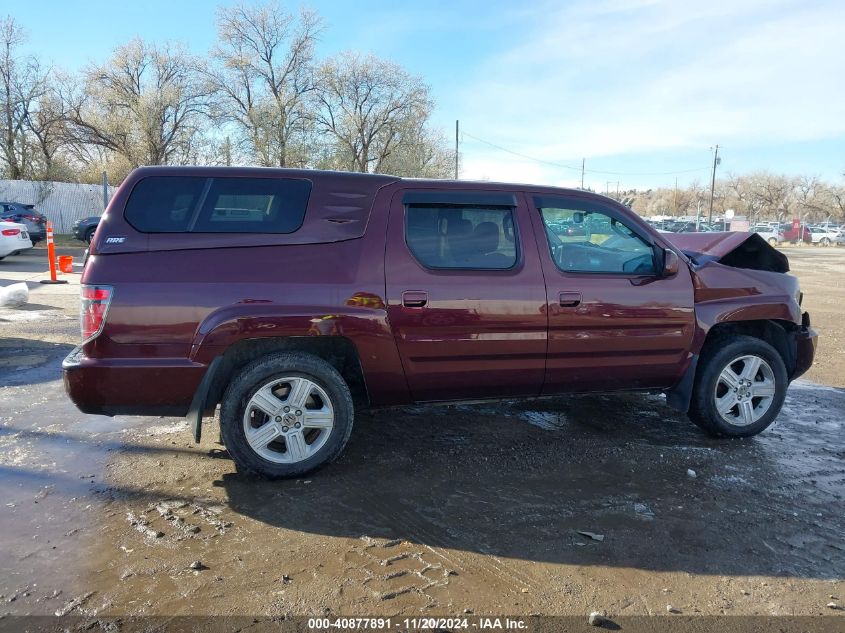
(51,255)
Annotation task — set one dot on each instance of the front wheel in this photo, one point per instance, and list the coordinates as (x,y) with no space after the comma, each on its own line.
(286,414)
(739,387)
(773,241)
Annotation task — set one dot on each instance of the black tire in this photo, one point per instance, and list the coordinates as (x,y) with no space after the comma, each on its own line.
(773,241)
(263,371)
(89,235)
(716,356)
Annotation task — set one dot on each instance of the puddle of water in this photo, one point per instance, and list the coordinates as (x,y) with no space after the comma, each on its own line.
(51,462)
(545,420)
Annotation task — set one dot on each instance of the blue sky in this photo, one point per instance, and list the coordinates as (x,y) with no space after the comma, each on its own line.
(641,88)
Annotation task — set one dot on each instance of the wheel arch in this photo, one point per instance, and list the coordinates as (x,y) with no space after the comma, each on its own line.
(775,332)
(778,333)
(338,351)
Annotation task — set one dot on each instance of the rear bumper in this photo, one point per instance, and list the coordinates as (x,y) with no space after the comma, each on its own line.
(806,340)
(136,386)
(9,248)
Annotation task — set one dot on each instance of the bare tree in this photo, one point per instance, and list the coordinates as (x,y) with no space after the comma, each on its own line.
(368,107)
(836,204)
(742,196)
(23,83)
(264,74)
(147,104)
(811,198)
(422,153)
(48,131)
(773,193)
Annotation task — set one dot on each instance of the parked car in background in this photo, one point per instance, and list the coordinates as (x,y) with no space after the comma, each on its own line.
(825,235)
(689,227)
(35,222)
(291,310)
(795,233)
(14,238)
(84,229)
(768,233)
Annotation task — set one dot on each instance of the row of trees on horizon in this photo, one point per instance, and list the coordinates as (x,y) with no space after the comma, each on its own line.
(757,196)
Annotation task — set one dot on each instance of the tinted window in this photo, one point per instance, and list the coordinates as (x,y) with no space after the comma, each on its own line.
(169,204)
(467,236)
(593,242)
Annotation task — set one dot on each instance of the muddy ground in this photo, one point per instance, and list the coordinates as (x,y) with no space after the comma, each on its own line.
(560,506)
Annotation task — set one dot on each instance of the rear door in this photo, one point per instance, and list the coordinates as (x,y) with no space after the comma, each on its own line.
(615,322)
(466,298)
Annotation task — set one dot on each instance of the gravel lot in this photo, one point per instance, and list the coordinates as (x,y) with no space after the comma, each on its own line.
(559,506)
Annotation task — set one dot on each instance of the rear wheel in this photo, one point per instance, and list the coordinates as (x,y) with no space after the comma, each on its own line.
(773,241)
(739,388)
(89,235)
(286,414)
(825,241)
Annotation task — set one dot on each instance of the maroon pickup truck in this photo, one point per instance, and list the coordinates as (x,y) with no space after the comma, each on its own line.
(290,298)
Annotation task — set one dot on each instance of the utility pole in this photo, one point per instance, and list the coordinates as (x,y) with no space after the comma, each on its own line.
(582,172)
(457,132)
(713,182)
(675,198)
(105,191)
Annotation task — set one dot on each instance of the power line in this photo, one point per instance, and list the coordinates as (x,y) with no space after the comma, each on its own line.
(526,156)
(581,169)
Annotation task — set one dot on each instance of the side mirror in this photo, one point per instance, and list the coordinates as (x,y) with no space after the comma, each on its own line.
(671,263)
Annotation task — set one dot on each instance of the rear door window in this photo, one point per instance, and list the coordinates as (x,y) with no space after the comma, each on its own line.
(461,236)
(173,204)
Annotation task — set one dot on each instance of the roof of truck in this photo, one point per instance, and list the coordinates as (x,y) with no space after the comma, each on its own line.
(341,176)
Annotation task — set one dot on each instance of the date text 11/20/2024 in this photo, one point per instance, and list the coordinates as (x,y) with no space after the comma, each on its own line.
(418,624)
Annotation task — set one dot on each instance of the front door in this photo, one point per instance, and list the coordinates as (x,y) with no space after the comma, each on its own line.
(615,321)
(465,292)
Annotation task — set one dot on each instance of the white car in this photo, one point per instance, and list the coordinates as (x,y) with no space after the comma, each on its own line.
(825,235)
(772,236)
(13,238)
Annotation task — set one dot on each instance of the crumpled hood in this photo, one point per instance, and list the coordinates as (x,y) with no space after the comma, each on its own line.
(715,244)
(740,250)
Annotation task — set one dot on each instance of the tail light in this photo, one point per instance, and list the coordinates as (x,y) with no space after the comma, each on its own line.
(11,232)
(94,308)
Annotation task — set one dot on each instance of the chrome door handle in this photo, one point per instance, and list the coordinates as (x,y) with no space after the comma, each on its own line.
(569,299)
(414,298)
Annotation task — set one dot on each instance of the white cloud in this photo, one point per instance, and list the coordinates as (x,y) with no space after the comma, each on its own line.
(621,76)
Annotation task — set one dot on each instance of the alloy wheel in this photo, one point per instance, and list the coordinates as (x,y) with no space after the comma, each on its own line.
(288,419)
(745,390)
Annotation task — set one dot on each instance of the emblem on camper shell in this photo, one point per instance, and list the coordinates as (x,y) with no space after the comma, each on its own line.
(115,240)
